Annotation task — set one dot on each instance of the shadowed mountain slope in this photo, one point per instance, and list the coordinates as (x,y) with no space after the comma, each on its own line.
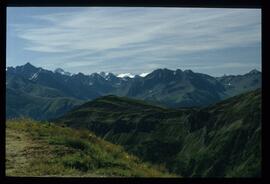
(223,140)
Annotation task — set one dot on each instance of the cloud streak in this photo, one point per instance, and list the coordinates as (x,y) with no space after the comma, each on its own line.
(98,36)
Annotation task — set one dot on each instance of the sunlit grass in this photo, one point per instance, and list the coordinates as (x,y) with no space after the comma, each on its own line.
(61,151)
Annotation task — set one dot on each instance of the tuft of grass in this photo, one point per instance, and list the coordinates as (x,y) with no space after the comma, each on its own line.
(52,150)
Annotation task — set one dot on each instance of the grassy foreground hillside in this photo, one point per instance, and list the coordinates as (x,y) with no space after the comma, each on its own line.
(44,149)
(223,140)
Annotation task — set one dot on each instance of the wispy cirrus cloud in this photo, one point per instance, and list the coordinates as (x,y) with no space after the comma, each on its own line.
(152,37)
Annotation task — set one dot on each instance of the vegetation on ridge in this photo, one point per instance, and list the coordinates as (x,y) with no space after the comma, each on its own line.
(223,140)
(45,149)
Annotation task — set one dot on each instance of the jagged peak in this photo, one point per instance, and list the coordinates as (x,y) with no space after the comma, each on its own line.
(28,67)
(103,74)
(29,64)
(106,75)
(59,70)
(95,75)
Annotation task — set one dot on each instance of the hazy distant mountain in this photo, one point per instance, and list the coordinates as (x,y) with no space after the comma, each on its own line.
(161,87)
(27,94)
(21,104)
(235,84)
(222,140)
(175,88)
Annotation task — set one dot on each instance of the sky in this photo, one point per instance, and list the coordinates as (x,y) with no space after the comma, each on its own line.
(215,41)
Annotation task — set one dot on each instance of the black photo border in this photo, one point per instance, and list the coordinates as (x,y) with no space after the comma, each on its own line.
(257,4)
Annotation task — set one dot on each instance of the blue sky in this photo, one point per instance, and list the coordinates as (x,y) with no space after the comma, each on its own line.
(135,40)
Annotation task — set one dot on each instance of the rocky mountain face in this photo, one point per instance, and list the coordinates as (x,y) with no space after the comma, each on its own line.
(161,87)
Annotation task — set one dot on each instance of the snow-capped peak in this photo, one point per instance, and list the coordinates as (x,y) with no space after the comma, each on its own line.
(103,74)
(144,74)
(122,75)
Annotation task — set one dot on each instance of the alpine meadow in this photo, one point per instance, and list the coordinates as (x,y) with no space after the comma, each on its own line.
(133,92)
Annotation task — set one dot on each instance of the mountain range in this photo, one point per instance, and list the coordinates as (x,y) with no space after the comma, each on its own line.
(43,94)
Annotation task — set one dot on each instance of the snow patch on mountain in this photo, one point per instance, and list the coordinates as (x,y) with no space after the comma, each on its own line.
(105,75)
(122,75)
(35,75)
(144,74)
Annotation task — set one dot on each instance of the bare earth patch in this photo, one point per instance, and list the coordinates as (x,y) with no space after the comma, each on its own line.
(20,151)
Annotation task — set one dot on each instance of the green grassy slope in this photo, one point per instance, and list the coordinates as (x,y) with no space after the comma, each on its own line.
(44,149)
(218,141)
(224,140)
